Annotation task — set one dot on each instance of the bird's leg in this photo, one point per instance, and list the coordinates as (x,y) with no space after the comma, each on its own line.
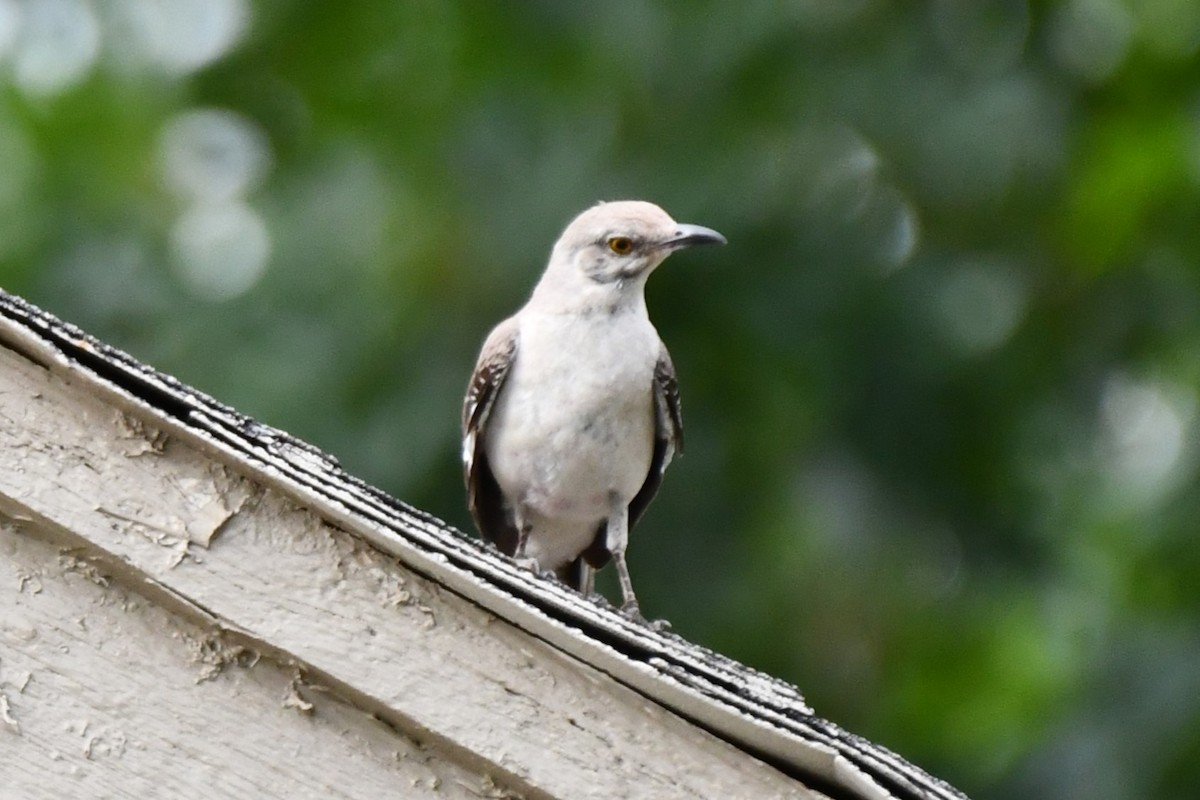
(587,579)
(523,526)
(617,539)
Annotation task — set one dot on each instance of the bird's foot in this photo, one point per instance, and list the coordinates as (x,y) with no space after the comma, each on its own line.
(532,565)
(631,611)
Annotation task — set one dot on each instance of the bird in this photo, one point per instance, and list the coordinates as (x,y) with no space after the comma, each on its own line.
(572,413)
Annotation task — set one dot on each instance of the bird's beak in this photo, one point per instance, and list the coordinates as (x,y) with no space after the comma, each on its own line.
(688,235)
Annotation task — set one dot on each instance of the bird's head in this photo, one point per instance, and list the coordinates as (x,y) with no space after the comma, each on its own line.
(618,244)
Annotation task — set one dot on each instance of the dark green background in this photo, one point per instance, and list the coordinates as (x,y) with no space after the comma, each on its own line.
(940,389)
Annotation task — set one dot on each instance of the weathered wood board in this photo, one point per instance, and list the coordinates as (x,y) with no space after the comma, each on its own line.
(105,693)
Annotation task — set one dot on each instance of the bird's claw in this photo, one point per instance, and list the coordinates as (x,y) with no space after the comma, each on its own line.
(530,564)
(632,612)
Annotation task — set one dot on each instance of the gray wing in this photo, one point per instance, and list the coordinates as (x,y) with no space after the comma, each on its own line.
(484,497)
(668,439)
(668,433)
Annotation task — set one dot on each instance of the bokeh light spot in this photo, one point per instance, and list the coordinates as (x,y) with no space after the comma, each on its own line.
(56,45)
(181,36)
(10,25)
(1145,427)
(894,227)
(980,304)
(846,168)
(1091,37)
(212,155)
(220,251)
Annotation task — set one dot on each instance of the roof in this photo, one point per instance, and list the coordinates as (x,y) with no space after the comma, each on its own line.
(264,545)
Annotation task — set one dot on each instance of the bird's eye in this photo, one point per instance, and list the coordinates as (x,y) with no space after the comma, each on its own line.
(621,245)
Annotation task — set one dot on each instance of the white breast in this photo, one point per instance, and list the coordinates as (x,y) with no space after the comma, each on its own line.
(573,430)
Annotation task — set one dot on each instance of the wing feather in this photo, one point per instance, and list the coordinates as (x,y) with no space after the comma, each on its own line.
(668,433)
(484,497)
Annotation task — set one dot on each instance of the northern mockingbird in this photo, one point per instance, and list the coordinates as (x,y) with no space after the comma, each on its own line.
(572,413)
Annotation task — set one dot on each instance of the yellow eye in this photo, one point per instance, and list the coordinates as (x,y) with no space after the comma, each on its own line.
(621,245)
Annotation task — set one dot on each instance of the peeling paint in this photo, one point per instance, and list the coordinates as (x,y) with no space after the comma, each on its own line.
(138,437)
(103,743)
(209,503)
(212,518)
(293,698)
(215,655)
(393,589)
(28,580)
(430,617)
(19,684)
(158,533)
(6,714)
(489,789)
(71,562)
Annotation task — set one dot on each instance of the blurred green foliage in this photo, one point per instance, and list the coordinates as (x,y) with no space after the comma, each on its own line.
(940,389)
